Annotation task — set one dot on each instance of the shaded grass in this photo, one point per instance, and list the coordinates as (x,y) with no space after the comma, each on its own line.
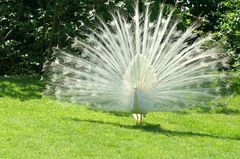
(34,127)
(229,105)
(22,87)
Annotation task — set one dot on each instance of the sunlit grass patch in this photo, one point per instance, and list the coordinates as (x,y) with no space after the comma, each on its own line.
(43,128)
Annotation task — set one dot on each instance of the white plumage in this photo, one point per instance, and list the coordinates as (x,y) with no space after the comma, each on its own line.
(136,66)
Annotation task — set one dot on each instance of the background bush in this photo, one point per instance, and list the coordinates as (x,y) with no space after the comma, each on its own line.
(29,29)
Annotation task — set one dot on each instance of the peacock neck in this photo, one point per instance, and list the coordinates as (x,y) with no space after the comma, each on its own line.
(135,108)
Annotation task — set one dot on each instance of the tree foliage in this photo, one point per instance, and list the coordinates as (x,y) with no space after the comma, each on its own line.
(229,29)
(29,29)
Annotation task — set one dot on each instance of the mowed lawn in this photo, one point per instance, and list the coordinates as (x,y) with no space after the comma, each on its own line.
(36,127)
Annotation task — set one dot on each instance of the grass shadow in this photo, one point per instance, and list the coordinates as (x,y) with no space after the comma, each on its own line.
(155,128)
(21,87)
(218,110)
(228,111)
(116,113)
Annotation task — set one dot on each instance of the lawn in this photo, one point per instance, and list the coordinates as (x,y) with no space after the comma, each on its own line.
(36,127)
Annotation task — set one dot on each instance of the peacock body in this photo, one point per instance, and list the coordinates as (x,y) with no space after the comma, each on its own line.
(137,66)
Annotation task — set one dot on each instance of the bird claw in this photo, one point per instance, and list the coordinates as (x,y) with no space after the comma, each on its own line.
(138,118)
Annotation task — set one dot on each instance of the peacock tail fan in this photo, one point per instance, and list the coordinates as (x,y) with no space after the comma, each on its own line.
(138,65)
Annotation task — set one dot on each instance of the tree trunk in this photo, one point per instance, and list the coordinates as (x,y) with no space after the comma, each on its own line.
(55,28)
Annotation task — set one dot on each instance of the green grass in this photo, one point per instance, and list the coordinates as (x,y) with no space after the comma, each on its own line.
(35,127)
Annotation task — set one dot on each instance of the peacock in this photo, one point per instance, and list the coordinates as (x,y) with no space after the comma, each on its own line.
(137,65)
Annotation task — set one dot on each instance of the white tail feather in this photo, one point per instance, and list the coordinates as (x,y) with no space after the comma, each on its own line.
(137,67)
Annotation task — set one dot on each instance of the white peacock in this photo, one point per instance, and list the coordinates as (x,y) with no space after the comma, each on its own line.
(137,66)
